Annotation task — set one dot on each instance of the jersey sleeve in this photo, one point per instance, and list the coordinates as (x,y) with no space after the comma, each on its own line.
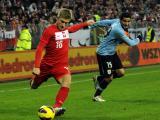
(41,46)
(45,36)
(77,27)
(126,38)
(38,54)
(104,23)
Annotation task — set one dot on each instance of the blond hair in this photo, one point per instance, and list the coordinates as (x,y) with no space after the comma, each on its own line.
(65,13)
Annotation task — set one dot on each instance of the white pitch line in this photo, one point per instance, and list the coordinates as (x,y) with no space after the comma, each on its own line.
(75,82)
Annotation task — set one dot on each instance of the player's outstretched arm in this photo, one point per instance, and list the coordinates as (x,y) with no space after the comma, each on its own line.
(103,23)
(129,41)
(79,26)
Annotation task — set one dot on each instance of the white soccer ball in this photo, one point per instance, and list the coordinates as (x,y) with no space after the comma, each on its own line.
(46,113)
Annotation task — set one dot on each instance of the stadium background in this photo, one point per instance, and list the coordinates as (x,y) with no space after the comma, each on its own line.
(38,14)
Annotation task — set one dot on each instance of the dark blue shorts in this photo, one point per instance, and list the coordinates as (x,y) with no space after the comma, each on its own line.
(107,64)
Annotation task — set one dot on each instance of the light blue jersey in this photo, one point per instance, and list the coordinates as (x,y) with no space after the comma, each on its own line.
(115,36)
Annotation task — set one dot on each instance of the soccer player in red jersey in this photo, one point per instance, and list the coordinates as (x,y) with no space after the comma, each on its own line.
(55,42)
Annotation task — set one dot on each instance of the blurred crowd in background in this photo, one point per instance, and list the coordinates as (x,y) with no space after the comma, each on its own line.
(18,12)
(38,14)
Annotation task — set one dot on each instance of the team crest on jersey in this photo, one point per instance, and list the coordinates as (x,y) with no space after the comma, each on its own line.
(62,35)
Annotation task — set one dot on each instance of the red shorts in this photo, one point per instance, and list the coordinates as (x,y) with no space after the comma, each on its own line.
(48,71)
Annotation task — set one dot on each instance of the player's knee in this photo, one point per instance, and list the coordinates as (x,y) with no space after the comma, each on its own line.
(66,83)
(121,73)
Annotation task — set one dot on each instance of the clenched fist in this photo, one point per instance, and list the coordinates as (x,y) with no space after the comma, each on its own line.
(90,22)
(36,71)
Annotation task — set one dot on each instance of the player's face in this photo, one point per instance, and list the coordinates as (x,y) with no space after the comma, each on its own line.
(126,22)
(62,24)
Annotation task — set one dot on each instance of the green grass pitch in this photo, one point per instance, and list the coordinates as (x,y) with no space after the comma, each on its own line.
(136,96)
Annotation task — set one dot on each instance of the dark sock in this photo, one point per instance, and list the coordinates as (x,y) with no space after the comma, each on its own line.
(98,92)
(103,85)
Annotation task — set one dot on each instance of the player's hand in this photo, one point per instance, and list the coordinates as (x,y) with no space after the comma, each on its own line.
(36,71)
(90,22)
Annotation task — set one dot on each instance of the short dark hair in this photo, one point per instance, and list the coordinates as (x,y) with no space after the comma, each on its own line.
(125,15)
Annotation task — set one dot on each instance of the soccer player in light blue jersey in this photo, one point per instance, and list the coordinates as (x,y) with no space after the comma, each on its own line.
(110,65)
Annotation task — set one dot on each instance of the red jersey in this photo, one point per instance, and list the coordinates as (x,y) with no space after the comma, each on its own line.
(56,44)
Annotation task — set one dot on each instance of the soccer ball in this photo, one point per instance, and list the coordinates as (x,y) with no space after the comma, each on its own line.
(46,113)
